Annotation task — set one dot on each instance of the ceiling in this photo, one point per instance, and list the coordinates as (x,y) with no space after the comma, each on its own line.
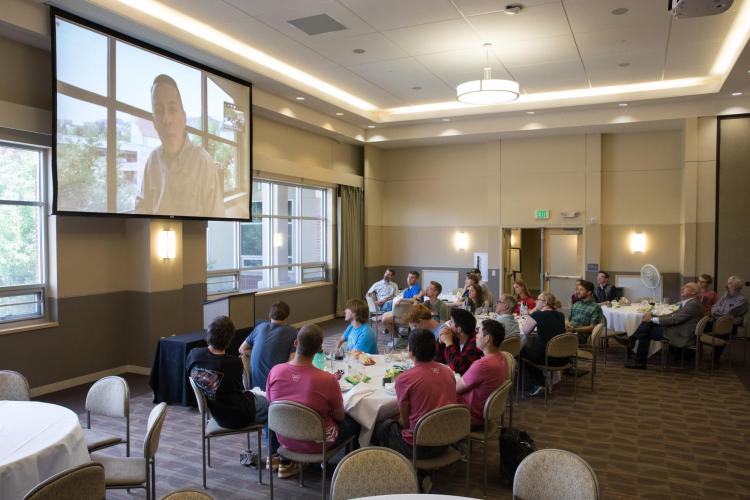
(399,61)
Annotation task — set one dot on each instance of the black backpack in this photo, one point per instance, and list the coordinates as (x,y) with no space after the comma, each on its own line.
(515,445)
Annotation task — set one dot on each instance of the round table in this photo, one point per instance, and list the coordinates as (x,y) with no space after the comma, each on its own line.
(628,318)
(37,440)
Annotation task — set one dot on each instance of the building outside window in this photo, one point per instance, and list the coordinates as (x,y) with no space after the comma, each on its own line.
(284,244)
(23,254)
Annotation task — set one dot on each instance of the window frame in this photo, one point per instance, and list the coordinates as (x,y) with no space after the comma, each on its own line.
(41,288)
(234,274)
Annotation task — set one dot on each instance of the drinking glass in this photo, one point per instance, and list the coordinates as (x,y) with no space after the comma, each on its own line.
(388,351)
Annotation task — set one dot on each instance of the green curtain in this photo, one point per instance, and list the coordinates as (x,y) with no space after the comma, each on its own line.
(351,278)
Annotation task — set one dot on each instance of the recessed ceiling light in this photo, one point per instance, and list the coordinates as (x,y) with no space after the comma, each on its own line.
(446,119)
(359,51)
(736,93)
(624,64)
(339,114)
(513,9)
(619,11)
(300,98)
(371,126)
(530,112)
(623,105)
(416,87)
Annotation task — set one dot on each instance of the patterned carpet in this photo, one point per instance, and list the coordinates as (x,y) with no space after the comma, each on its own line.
(647,434)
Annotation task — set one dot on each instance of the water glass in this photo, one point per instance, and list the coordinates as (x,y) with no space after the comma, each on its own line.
(388,351)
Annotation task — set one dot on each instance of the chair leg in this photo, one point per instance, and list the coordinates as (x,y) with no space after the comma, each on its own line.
(546,386)
(323,480)
(127,436)
(260,459)
(153,478)
(270,470)
(208,446)
(485,443)
(301,476)
(468,462)
(203,442)
(575,377)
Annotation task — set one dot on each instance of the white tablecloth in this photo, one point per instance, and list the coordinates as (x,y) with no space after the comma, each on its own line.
(368,403)
(37,440)
(627,319)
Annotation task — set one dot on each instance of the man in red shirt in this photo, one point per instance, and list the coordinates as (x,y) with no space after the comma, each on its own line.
(301,382)
(485,374)
(427,386)
(457,346)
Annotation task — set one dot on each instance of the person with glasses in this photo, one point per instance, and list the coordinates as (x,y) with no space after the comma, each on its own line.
(549,323)
(705,294)
(504,308)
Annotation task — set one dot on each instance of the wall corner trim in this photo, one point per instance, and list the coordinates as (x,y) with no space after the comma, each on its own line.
(90,377)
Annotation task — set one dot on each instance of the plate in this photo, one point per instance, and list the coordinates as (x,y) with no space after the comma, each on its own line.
(390,388)
(345,386)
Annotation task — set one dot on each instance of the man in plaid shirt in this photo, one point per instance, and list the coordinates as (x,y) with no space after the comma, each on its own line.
(457,346)
(585,313)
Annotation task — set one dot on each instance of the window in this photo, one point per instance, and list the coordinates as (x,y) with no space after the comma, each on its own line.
(22,232)
(284,244)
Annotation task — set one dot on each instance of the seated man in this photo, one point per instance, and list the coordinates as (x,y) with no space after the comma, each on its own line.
(457,344)
(219,377)
(358,336)
(429,297)
(269,344)
(427,386)
(299,381)
(605,292)
(678,327)
(733,303)
(486,374)
(585,314)
(420,317)
(410,296)
(384,291)
(504,308)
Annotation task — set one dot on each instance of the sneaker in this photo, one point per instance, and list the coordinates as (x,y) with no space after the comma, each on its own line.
(275,461)
(249,459)
(290,469)
(536,391)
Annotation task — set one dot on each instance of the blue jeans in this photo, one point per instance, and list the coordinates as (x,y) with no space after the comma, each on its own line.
(261,409)
(387,307)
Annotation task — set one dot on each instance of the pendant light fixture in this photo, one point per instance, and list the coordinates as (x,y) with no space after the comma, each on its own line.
(487,90)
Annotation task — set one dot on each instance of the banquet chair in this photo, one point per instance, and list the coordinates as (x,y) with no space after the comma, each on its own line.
(718,336)
(376,315)
(187,495)
(513,377)
(591,355)
(110,397)
(494,408)
(443,426)
(13,386)
(373,471)
(297,421)
(744,335)
(607,333)
(564,346)
(399,313)
(210,430)
(552,474)
(247,378)
(136,472)
(82,482)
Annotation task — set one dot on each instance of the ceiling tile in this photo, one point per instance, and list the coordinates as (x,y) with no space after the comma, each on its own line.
(596,15)
(398,76)
(620,42)
(391,14)
(477,7)
(537,51)
(376,46)
(550,77)
(435,37)
(643,67)
(690,59)
(458,66)
(535,22)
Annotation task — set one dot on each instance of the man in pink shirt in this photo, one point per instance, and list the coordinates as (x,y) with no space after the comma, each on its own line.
(301,382)
(427,386)
(485,374)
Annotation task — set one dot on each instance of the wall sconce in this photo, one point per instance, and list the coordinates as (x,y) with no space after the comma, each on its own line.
(167,244)
(638,242)
(461,241)
(278,240)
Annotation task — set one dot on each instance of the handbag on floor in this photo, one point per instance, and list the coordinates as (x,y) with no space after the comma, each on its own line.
(515,445)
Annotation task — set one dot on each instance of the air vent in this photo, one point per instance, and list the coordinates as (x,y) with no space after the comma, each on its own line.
(317,25)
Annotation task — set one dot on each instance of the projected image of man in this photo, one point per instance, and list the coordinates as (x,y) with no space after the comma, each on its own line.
(180,178)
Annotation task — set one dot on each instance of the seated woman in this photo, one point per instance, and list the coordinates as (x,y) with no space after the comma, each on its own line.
(522,296)
(549,323)
(474,298)
(471,279)
(219,376)
(358,336)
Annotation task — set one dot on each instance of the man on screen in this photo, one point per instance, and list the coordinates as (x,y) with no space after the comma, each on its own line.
(180,178)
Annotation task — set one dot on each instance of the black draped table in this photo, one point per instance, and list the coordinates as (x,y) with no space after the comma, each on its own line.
(168,376)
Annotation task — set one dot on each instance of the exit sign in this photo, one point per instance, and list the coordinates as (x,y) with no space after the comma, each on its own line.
(541,214)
